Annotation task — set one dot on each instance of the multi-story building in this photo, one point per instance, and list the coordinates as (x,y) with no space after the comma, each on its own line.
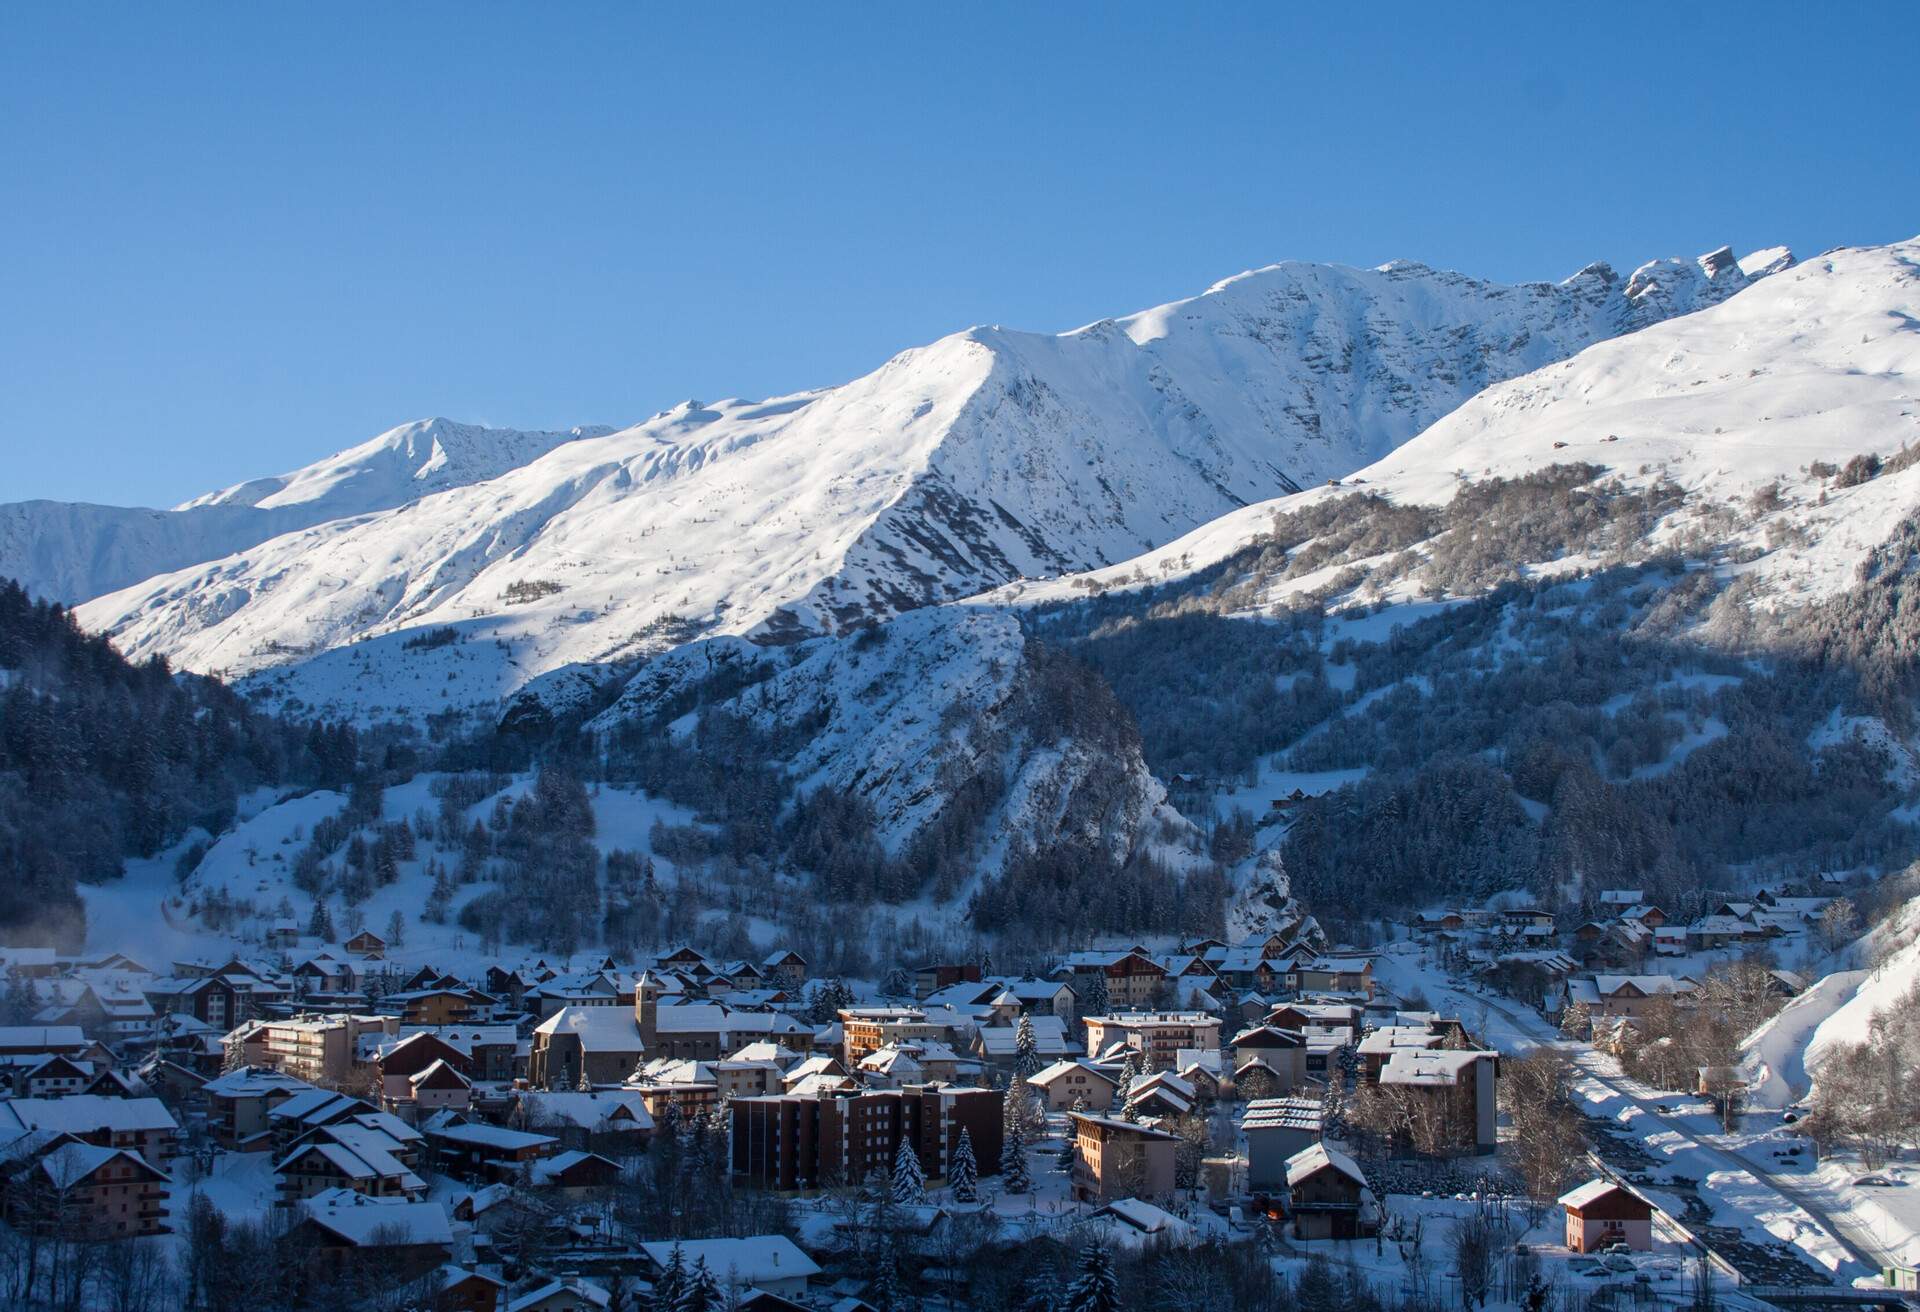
(787,1141)
(868,1029)
(1158,1034)
(1119,1159)
(323,1051)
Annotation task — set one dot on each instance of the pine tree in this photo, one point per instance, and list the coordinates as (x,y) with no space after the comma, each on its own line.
(1014,1177)
(320,926)
(702,1292)
(909,1181)
(963,1173)
(1096,1288)
(1069,1154)
(1026,1054)
(885,1289)
(672,1282)
(583,1084)
(1095,1001)
(1042,1294)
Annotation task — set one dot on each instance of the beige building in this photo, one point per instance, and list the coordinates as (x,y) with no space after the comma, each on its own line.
(323,1051)
(1160,1035)
(1118,1159)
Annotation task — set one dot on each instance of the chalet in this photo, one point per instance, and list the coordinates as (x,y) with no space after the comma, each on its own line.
(439,1006)
(1282,1053)
(772,1263)
(785,968)
(357,1158)
(608,1119)
(238,1102)
(1132,977)
(1162,1094)
(1430,923)
(76,1187)
(54,1077)
(997,1046)
(398,1060)
(341,1229)
(571,1294)
(575,1173)
(462,1290)
(1277,1129)
(1616,900)
(1075,1085)
(1601,1213)
(490,1152)
(138,1125)
(1327,1196)
(1647,914)
(38,1040)
(367,945)
(1336,975)
(439,1087)
(1625,996)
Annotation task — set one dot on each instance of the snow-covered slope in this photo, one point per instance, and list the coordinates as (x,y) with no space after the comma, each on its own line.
(1782,1059)
(72,551)
(911,713)
(1775,388)
(988,456)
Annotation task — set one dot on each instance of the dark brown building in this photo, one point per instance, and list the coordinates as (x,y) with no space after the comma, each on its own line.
(785,1141)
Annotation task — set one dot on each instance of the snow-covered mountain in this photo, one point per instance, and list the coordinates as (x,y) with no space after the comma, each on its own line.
(988,456)
(71,551)
(1769,394)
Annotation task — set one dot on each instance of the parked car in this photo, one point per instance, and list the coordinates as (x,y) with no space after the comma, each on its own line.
(1874,1182)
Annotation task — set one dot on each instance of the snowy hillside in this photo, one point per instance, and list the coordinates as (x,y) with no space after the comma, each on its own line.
(1747,408)
(988,456)
(70,551)
(936,711)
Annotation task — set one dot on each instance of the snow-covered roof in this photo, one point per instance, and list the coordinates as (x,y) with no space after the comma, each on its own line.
(1317,1157)
(1429,1065)
(82,1113)
(587,1109)
(746,1261)
(1594,1190)
(599,1029)
(361,1220)
(584,1289)
(1283,1114)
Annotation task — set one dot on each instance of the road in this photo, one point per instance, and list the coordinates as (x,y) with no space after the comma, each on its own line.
(1861,1247)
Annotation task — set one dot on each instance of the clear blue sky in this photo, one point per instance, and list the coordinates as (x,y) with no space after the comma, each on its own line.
(239,237)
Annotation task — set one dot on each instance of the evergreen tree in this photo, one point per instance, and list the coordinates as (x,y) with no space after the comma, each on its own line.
(963,1173)
(1026,1054)
(672,1282)
(1095,1001)
(320,924)
(583,1084)
(1042,1294)
(702,1291)
(909,1181)
(1014,1176)
(885,1290)
(1096,1288)
(1069,1154)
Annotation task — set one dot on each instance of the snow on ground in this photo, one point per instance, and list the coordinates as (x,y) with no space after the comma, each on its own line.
(1813,365)
(1678,1140)
(145,913)
(1773,1058)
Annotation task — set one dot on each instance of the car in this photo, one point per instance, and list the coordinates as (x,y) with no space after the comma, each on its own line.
(1873,1182)
(1616,1263)
(1617,1248)
(1665,1109)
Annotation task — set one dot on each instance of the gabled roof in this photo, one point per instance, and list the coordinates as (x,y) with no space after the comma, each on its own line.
(1593,1191)
(361,1220)
(1312,1160)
